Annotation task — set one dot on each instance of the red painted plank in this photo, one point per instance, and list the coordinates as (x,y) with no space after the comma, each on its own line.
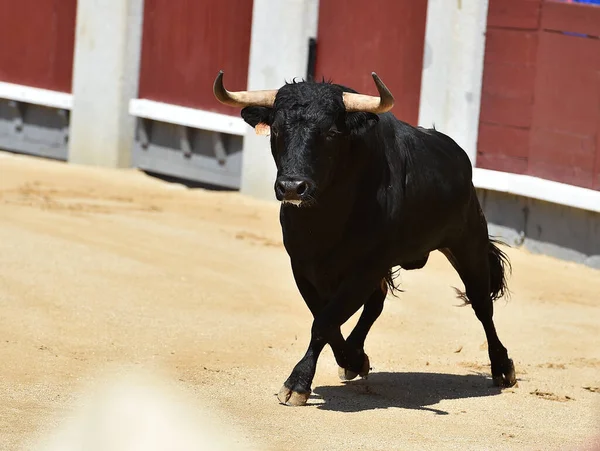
(185,44)
(515,112)
(507,87)
(567,90)
(502,148)
(558,173)
(523,14)
(596,181)
(567,109)
(498,162)
(510,46)
(37,41)
(503,140)
(571,175)
(568,152)
(571,17)
(509,80)
(357,37)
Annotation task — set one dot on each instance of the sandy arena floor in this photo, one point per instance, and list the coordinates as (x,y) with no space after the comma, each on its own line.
(103,270)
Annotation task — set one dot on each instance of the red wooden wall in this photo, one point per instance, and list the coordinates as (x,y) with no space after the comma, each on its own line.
(356,37)
(185,44)
(540,110)
(37,41)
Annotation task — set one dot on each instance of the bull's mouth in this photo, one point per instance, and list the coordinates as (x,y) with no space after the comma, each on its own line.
(299,203)
(295,202)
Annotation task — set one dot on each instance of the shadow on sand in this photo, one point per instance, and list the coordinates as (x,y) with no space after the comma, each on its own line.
(403,390)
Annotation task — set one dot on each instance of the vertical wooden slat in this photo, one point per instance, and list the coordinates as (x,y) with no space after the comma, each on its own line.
(596,181)
(580,18)
(508,83)
(519,14)
(37,39)
(503,148)
(567,109)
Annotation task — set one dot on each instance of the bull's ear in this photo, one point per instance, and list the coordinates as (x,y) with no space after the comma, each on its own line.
(254,115)
(360,123)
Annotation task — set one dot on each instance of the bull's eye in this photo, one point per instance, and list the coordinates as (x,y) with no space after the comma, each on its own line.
(332,133)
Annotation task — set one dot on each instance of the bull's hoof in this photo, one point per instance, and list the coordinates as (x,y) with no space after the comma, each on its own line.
(348,375)
(291,398)
(507,378)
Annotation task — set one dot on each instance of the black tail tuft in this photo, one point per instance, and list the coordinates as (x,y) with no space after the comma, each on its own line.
(390,281)
(462,296)
(499,267)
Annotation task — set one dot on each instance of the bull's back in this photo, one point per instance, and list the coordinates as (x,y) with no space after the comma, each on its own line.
(438,187)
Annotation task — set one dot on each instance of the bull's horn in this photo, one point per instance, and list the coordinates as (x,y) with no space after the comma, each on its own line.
(370,104)
(242,98)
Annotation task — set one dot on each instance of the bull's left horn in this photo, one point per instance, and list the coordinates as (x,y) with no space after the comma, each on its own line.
(370,104)
(242,98)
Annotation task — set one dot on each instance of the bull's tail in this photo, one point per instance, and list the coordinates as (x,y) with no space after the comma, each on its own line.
(499,267)
(390,281)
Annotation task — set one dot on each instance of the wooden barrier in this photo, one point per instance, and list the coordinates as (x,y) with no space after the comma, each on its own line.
(540,112)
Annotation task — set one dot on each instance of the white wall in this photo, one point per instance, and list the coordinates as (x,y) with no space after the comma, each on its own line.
(105,78)
(278,53)
(453,69)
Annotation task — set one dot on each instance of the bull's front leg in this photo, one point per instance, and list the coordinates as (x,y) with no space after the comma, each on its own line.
(326,329)
(356,362)
(297,388)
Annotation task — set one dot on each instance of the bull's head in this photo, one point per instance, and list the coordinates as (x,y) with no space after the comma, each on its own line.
(311,125)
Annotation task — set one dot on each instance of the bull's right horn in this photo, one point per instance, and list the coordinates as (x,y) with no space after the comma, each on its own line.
(242,99)
(370,104)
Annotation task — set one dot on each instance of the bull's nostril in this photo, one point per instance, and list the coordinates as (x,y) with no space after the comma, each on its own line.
(301,188)
(280,188)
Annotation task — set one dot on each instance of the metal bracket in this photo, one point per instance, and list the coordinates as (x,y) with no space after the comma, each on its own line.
(19,109)
(219,148)
(144,132)
(34,129)
(184,141)
(312,59)
(65,114)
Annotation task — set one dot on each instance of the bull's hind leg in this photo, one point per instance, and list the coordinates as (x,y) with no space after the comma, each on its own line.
(357,362)
(478,265)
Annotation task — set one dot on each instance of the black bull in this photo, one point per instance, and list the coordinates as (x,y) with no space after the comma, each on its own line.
(363,192)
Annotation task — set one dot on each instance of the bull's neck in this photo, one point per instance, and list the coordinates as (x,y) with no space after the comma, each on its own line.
(353,189)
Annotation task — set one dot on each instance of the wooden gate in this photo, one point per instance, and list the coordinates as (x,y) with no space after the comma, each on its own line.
(540,111)
(185,43)
(356,37)
(37,39)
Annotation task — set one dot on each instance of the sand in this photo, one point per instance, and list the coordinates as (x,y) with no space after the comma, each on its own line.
(106,270)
